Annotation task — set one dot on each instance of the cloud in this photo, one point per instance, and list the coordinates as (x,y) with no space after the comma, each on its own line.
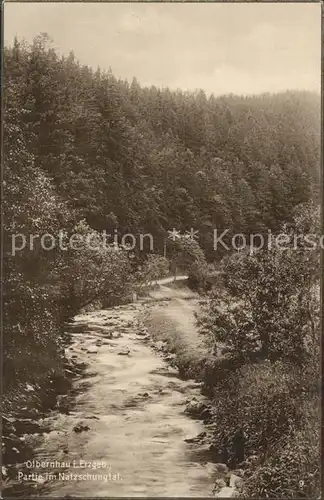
(145,23)
(223,47)
(227,79)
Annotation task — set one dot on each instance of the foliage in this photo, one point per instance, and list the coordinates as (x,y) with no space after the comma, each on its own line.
(292,471)
(279,414)
(30,278)
(186,254)
(264,325)
(267,308)
(45,286)
(265,399)
(137,159)
(154,268)
(94,270)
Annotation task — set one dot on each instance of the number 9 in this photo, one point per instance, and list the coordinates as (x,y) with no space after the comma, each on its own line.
(301,483)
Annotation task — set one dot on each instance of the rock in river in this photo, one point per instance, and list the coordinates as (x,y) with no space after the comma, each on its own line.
(124,352)
(80,427)
(92,349)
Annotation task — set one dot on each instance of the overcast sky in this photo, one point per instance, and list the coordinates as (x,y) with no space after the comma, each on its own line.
(221,48)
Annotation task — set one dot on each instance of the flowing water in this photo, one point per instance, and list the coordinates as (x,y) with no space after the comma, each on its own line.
(124,434)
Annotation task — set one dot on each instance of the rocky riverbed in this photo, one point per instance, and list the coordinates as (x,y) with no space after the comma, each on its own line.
(127,426)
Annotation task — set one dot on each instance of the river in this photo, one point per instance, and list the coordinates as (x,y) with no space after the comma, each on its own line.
(124,419)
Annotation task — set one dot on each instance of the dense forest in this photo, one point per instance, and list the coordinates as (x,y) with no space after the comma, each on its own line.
(147,160)
(85,151)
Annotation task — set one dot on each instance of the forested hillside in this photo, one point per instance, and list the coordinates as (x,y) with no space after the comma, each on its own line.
(147,159)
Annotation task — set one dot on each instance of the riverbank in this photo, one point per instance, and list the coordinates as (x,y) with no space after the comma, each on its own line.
(24,411)
(241,401)
(175,336)
(126,408)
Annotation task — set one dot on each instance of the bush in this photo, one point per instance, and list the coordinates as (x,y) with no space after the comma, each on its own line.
(293,469)
(265,400)
(31,286)
(263,327)
(268,306)
(154,268)
(94,271)
(186,254)
(43,288)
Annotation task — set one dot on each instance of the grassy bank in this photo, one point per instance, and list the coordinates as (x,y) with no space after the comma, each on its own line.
(174,325)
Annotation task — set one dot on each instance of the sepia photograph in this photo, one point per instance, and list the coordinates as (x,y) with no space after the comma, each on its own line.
(161,284)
